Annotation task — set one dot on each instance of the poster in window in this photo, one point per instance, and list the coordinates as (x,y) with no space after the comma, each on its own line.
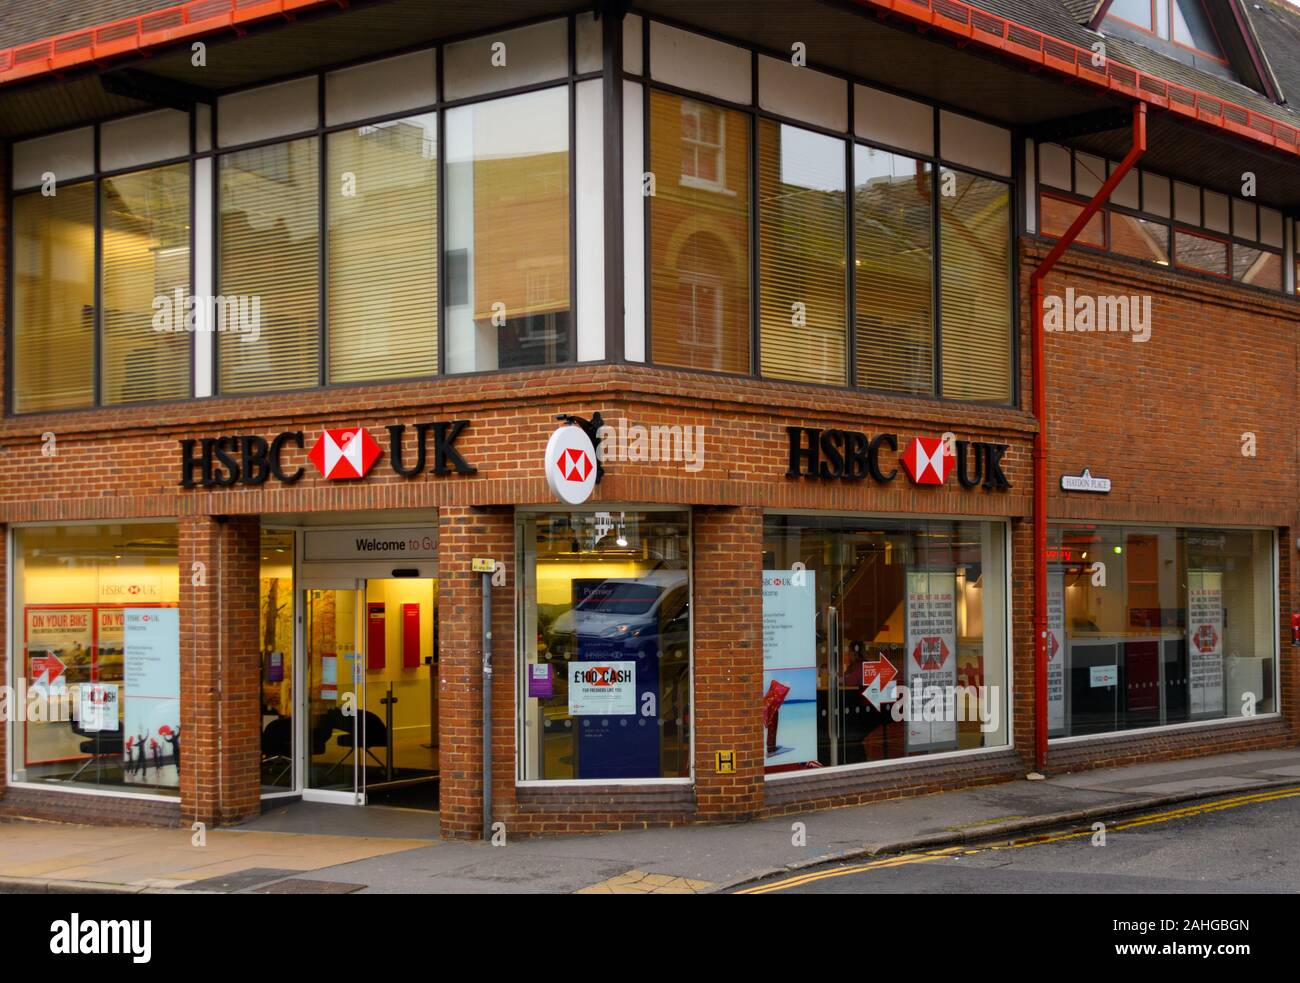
(1205,642)
(108,645)
(621,627)
(1055,652)
(931,661)
(789,668)
(151,738)
(59,652)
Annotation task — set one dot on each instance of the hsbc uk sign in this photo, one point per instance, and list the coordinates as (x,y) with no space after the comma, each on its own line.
(849,455)
(338,455)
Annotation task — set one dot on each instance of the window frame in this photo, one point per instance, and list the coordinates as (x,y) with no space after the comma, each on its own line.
(522,516)
(215,151)
(1154,29)
(850,139)
(97,178)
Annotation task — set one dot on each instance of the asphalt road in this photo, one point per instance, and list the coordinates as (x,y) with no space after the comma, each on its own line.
(1237,844)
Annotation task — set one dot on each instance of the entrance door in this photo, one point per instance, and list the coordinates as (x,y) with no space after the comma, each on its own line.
(335,691)
(371,715)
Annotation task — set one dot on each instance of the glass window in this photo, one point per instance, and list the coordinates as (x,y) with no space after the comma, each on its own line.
(605,647)
(1156,626)
(268,315)
(1258,267)
(893,220)
(975,289)
(1193,28)
(1197,252)
(1139,238)
(98,641)
(699,235)
(507,250)
(382,207)
(882,639)
(1056,215)
(275,629)
(54,299)
(1134,11)
(146,278)
(802,254)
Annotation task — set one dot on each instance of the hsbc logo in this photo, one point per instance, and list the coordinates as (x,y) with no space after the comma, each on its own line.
(849,455)
(571,470)
(342,454)
(337,454)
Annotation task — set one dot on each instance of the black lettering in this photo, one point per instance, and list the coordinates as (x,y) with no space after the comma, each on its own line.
(873,457)
(223,448)
(444,436)
(395,448)
(966,481)
(253,460)
(277,468)
(855,456)
(994,477)
(799,455)
(190,464)
(832,465)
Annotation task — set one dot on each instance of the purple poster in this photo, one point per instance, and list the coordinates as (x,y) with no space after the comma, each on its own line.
(541,680)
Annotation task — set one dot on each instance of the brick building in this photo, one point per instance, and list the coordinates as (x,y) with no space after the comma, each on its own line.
(310,311)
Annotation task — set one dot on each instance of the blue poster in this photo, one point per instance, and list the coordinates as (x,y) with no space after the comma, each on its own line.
(151,665)
(618,623)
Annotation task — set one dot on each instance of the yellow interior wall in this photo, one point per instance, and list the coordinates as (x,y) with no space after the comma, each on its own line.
(554,580)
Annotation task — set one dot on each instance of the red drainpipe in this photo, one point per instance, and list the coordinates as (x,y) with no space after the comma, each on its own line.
(1040,437)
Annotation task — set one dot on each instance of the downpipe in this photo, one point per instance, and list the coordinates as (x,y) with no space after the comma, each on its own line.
(1036,282)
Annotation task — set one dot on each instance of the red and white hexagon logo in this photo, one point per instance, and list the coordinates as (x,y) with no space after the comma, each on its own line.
(343,454)
(925,462)
(571,465)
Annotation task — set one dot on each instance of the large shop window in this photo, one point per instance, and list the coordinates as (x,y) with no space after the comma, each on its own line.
(699,235)
(96,643)
(604,671)
(882,639)
(1153,626)
(507,255)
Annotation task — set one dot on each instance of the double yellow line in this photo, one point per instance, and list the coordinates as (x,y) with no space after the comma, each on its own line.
(907,859)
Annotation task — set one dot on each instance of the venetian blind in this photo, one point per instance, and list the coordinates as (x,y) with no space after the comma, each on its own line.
(699,235)
(802,254)
(382,279)
(145,287)
(893,224)
(270,275)
(54,299)
(975,284)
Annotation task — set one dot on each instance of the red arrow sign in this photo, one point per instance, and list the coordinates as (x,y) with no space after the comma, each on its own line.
(47,663)
(878,682)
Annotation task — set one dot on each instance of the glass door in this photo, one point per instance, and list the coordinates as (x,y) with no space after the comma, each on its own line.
(336,690)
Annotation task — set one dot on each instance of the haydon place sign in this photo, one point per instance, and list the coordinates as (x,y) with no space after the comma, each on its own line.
(850,455)
(337,454)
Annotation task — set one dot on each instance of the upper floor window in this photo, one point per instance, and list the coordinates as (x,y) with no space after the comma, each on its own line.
(1185,23)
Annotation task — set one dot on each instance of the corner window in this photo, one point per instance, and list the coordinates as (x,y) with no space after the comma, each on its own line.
(97,651)
(1154,626)
(605,646)
(882,639)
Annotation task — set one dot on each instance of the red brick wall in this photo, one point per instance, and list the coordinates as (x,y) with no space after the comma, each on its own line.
(727,626)
(220,669)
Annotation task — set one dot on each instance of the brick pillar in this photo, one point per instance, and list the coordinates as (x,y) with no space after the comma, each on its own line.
(727,616)
(1022,638)
(463,534)
(221,735)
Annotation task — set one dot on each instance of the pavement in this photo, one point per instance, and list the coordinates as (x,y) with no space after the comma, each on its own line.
(316,848)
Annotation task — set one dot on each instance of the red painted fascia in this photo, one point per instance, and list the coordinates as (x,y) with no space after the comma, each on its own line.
(1044,52)
(93,46)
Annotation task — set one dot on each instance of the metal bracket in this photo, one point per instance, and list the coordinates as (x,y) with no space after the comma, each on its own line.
(592,429)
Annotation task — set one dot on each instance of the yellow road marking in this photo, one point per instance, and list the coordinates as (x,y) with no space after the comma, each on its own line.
(907,859)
